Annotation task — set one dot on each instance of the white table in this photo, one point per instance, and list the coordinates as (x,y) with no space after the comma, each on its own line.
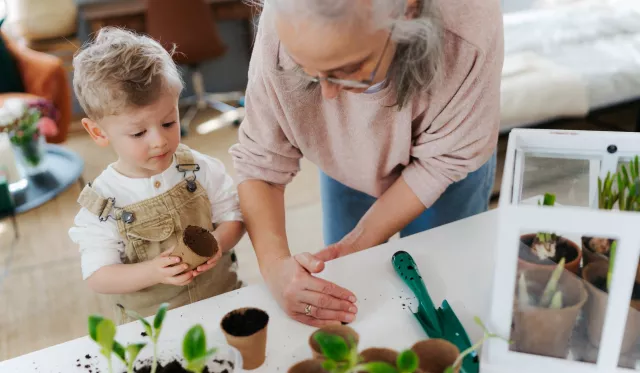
(455,260)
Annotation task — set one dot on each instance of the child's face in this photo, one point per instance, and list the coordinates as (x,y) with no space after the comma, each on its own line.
(144,138)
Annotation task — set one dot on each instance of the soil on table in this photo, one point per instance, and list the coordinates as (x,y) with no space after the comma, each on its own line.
(601,284)
(563,250)
(176,367)
(244,324)
(201,241)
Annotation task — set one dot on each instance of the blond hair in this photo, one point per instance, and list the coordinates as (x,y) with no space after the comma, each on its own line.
(121,69)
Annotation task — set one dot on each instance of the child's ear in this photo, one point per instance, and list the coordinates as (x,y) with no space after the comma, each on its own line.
(95,132)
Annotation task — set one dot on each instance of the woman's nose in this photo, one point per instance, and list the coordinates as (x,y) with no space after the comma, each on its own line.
(329,90)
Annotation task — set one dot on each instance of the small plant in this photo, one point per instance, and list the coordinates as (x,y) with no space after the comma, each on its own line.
(612,259)
(629,186)
(487,335)
(194,349)
(544,244)
(153,332)
(551,296)
(342,357)
(103,332)
(607,197)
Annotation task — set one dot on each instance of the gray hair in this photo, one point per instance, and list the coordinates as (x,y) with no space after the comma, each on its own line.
(419,56)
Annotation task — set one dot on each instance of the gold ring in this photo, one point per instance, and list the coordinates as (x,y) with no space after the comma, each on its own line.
(307,310)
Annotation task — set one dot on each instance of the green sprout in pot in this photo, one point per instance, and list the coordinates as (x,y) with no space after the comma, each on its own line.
(551,296)
(153,331)
(194,349)
(342,357)
(487,335)
(544,244)
(103,332)
(612,259)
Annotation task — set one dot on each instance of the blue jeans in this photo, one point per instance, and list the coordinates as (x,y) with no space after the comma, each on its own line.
(343,207)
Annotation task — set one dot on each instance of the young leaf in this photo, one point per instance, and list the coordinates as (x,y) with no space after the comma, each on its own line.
(94,320)
(333,347)
(145,323)
(106,332)
(448,370)
(194,345)
(556,301)
(612,259)
(133,350)
(549,199)
(119,351)
(198,365)
(552,285)
(523,293)
(407,362)
(159,319)
(329,365)
(378,367)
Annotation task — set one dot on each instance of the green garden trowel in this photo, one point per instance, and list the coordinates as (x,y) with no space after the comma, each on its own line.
(437,323)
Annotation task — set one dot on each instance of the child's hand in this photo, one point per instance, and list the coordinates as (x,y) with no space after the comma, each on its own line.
(209,264)
(166,270)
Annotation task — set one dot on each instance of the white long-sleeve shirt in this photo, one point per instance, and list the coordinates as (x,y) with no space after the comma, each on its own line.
(101,244)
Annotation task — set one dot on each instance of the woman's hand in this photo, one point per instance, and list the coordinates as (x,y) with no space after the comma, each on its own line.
(335,251)
(294,288)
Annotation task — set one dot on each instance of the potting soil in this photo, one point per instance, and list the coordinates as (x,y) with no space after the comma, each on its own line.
(244,324)
(200,241)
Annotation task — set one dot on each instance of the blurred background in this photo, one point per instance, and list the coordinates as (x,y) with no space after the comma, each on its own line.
(569,64)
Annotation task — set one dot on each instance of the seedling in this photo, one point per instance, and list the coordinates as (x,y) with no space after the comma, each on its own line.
(475,347)
(103,332)
(342,357)
(629,186)
(194,349)
(551,296)
(544,244)
(153,332)
(612,259)
(607,197)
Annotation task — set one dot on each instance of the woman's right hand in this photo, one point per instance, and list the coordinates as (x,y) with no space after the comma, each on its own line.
(294,287)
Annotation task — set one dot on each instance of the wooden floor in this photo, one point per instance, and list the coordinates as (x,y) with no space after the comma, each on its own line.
(43,300)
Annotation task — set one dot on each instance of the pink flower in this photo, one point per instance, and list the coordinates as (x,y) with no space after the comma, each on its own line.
(47,127)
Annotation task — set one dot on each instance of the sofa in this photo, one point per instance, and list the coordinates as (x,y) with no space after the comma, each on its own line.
(43,76)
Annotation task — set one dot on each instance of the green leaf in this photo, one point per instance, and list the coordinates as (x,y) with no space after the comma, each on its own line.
(329,365)
(133,350)
(448,370)
(379,367)
(333,347)
(94,320)
(159,319)
(549,199)
(106,332)
(194,345)
(407,362)
(120,351)
(556,301)
(145,323)
(612,259)
(552,285)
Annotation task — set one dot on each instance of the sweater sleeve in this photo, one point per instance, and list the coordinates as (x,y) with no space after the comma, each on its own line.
(463,136)
(263,150)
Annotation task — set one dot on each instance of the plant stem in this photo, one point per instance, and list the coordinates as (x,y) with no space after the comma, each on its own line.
(154,364)
(109,364)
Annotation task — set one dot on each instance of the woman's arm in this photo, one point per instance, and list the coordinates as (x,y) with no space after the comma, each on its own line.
(396,208)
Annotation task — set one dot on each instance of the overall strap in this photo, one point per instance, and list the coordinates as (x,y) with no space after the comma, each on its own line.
(96,204)
(184,160)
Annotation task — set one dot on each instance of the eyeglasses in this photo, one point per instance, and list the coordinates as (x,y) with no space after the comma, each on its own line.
(358,84)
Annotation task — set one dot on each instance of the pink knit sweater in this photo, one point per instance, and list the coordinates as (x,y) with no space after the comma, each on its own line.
(436,139)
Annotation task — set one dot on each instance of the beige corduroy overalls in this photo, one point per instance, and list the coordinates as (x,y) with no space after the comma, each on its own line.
(154,225)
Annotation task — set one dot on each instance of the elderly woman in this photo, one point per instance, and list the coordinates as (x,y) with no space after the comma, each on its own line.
(398,104)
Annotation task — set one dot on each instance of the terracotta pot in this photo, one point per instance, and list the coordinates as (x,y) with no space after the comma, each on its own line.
(570,265)
(308,366)
(436,355)
(384,355)
(246,330)
(597,307)
(590,256)
(544,331)
(346,332)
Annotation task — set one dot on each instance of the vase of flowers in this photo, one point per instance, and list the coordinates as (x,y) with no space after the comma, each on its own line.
(28,122)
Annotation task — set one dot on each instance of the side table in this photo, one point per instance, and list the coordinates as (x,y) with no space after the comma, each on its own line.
(63,168)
